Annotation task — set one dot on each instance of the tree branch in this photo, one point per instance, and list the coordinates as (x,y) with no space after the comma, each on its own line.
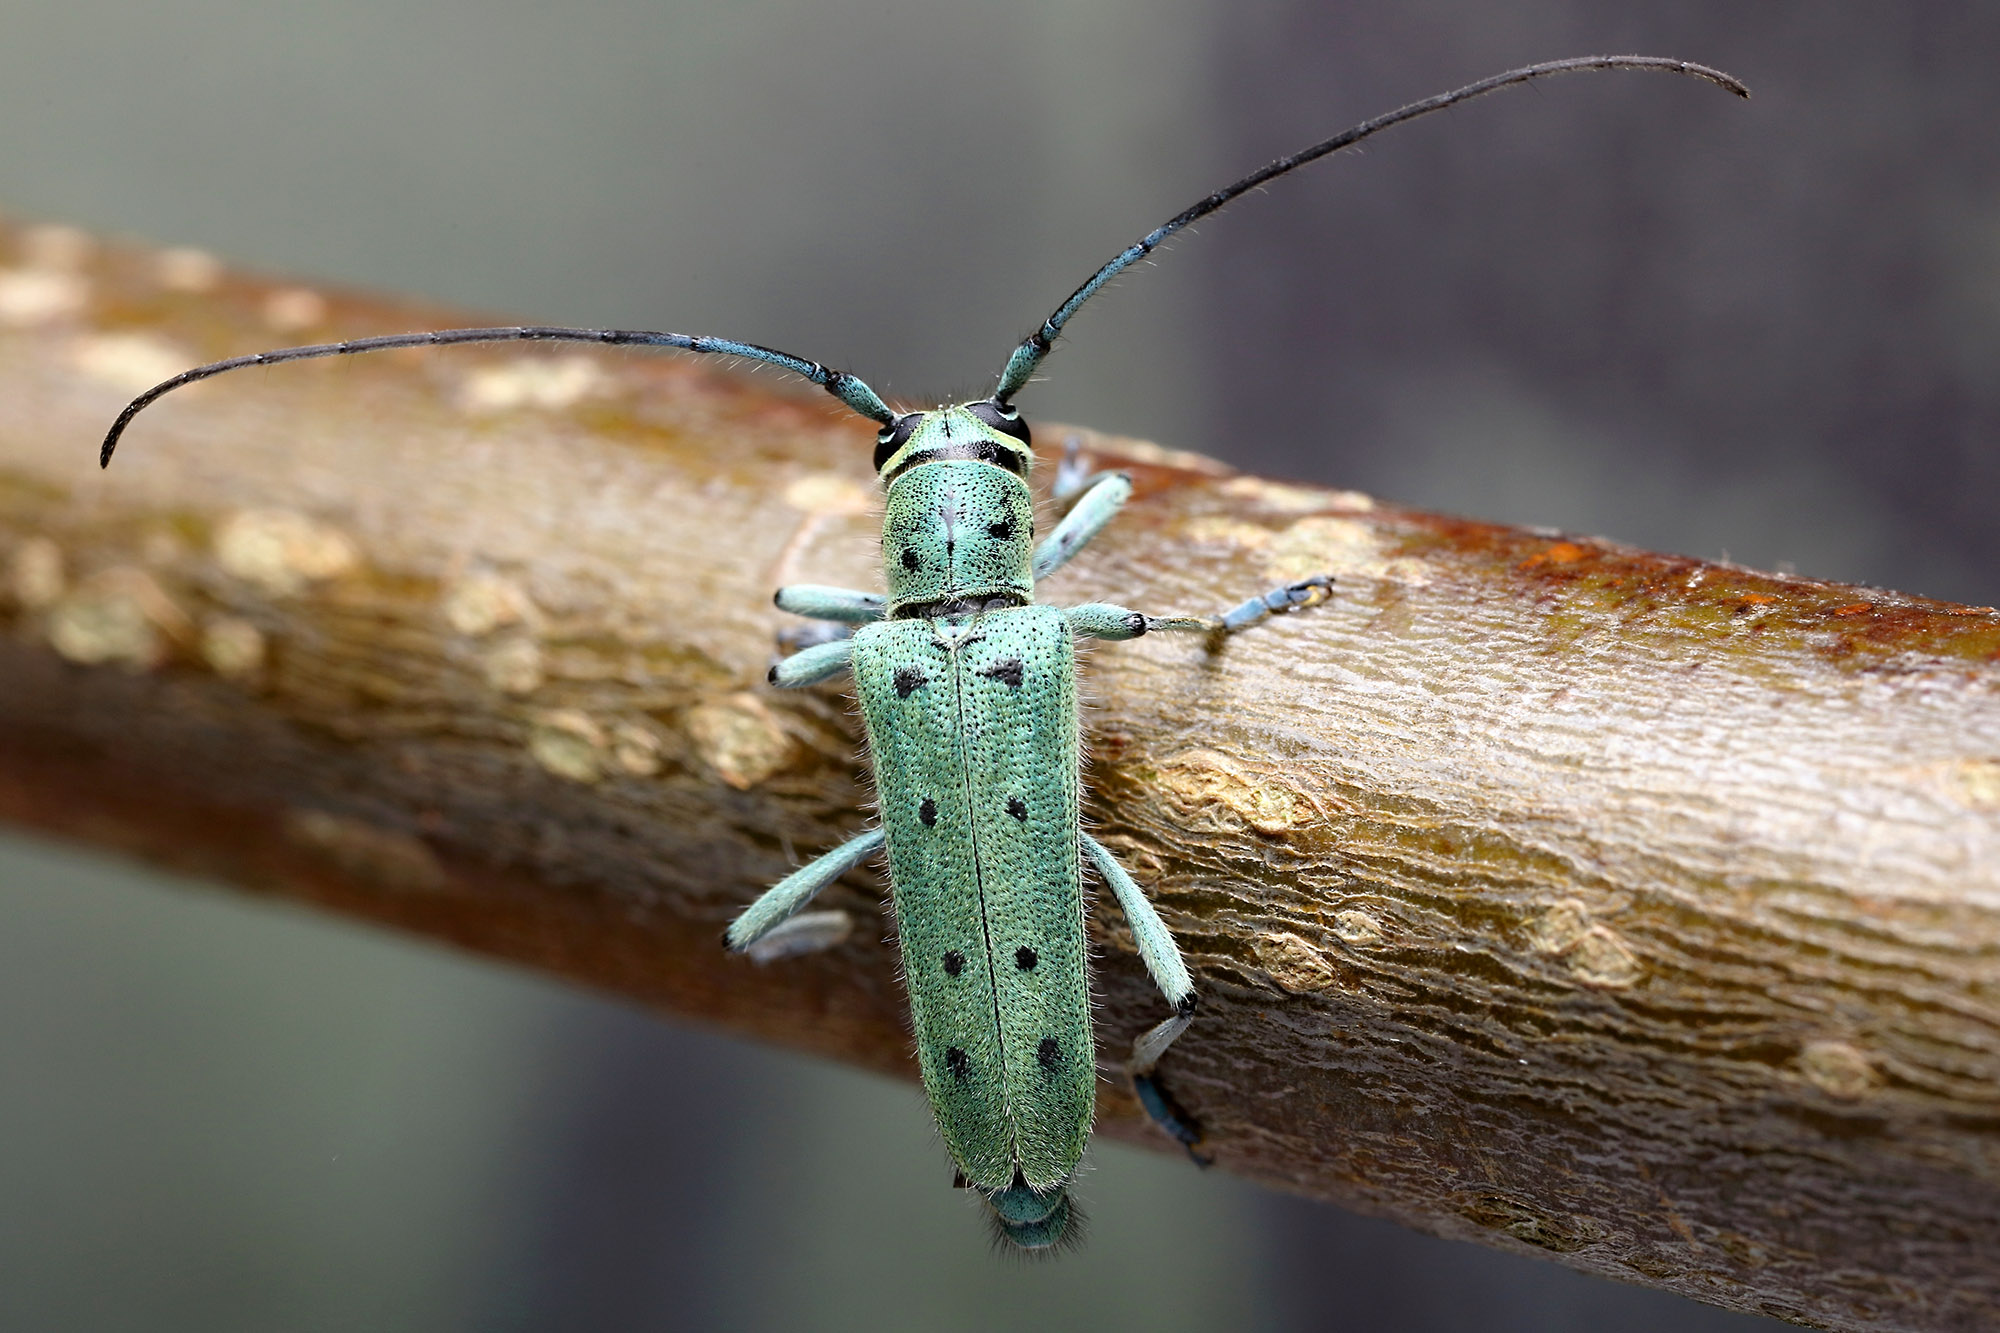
(1621,907)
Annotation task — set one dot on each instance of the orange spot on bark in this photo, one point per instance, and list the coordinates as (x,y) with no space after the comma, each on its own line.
(1562,553)
(1758,598)
(1854,609)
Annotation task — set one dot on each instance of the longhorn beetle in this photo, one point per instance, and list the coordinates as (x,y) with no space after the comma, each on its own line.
(968,695)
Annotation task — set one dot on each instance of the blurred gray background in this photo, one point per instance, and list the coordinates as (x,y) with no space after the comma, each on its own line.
(1619,304)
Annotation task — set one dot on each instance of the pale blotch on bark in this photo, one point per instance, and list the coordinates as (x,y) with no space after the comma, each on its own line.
(480,603)
(1221,530)
(386,857)
(294,310)
(1838,1069)
(829,493)
(282,551)
(1324,544)
(233,647)
(128,362)
(35,574)
(1277,496)
(532,382)
(187,270)
(513,666)
(30,297)
(570,744)
(636,749)
(1292,963)
(1976,783)
(119,615)
(1356,927)
(1210,792)
(740,738)
(52,246)
(1596,955)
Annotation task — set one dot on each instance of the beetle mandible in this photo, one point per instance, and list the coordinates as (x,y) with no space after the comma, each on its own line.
(968,695)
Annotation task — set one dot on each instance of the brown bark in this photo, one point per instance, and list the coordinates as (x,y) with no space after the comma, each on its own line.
(1620,907)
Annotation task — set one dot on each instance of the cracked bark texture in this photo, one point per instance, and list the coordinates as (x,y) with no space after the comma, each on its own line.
(1624,908)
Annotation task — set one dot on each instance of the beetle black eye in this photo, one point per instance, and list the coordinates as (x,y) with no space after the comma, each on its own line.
(1005,419)
(895,437)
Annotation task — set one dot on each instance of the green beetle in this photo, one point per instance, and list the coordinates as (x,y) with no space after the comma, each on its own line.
(968,693)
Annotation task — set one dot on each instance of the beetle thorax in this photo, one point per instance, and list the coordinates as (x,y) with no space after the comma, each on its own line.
(959,530)
(957,536)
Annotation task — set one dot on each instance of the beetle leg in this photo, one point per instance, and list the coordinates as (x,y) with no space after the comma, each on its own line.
(1103,620)
(845,605)
(1156,944)
(1097,507)
(1290,597)
(813,665)
(1163,962)
(808,932)
(834,613)
(760,919)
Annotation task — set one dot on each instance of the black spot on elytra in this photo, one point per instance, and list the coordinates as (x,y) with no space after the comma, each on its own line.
(957,1061)
(1025,958)
(908,679)
(1008,670)
(909,558)
(1017,808)
(1048,1055)
(928,812)
(954,962)
(1003,529)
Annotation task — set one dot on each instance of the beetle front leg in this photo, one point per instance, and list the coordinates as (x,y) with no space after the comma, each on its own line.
(1099,505)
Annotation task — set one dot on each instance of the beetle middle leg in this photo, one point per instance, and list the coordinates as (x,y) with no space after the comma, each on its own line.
(1104,620)
(812,665)
(765,921)
(1163,961)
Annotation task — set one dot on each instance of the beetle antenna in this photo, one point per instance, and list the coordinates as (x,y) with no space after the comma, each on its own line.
(1029,354)
(839,383)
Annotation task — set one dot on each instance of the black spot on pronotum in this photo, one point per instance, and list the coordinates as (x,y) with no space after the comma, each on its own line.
(1025,958)
(1003,529)
(909,558)
(928,812)
(908,679)
(954,962)
(957,1061)
(1017,808)
(1048,1055)
(1007,671)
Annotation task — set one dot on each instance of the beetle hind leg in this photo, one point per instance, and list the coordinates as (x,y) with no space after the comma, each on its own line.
(1163,961)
